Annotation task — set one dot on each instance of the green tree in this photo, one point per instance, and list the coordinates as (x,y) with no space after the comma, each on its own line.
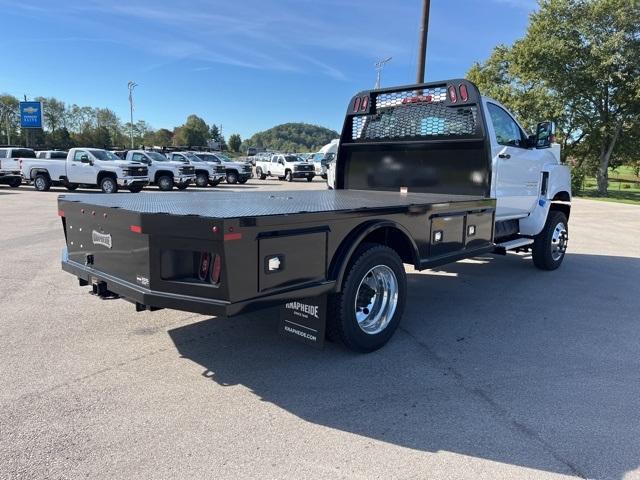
(195,132)
(162,137)
(582,59)
(215,132)
(292,137)
(234,142)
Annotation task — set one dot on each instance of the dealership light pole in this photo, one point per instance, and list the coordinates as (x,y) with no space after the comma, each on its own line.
(379,67)
(422,45)
(131,85)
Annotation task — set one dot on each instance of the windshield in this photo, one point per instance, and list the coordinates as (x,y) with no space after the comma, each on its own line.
(157,157)
(224,158)
(291,158)
(104,155)
(317,157)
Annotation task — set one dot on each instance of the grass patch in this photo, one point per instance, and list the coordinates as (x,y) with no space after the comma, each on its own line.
(624,187)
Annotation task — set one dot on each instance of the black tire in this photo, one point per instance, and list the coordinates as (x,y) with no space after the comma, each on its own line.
(324,176)
(243,181)
(183,185)
(136,188)
(259,174)
(165,183)
(71,186)
(342,324)
(42,182)
(550,245)
(108,185)
(288,176)
(309,179)
(280,178)
(15,182)
(202,179)
(215,183)
(232,178)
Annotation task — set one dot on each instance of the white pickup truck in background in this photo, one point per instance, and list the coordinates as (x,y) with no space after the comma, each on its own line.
(10,158)
(236,172)
(207,173)
(285,167)
(164,172)
(86,166)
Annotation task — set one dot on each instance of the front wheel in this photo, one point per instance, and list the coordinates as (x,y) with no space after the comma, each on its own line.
(232,178)
(288,176)
(550,245)
(165,183)
(367,312)
(109,185)
(42,182)
(202,180)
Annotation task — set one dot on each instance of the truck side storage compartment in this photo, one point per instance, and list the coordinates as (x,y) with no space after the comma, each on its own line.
(289,258)
(451,233)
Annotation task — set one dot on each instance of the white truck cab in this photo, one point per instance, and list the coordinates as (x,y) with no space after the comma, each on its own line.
(206,173)
(95,166)
(285,167)
(164,172)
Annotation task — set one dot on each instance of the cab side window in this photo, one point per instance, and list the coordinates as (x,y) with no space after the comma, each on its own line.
(78,154)
(3,153)
(137,157)
(176,158)
(507,131)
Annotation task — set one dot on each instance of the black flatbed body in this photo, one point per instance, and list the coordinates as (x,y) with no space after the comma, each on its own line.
(413,173)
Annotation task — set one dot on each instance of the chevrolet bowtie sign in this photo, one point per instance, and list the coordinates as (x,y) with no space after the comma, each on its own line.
(31,114)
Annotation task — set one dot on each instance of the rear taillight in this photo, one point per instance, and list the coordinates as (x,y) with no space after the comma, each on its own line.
(205,258)
(365,104)
(464,93)
(135,228)
(61,213)
(453,97)
(356,104)
(216,269)
(360,104)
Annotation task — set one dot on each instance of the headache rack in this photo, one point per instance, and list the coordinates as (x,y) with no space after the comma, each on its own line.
(427,138)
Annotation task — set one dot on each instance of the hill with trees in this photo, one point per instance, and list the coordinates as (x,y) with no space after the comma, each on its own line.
(292,137)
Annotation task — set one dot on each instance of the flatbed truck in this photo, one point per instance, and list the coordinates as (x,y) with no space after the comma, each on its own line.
(426,174)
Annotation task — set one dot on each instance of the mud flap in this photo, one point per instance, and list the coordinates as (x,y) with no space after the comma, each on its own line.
(305,320)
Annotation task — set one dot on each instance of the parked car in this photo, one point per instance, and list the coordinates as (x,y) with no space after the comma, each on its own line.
(10,158)
(207,173)
(497,189)
(285,167)
(163,172)
(86,166)
(236,172)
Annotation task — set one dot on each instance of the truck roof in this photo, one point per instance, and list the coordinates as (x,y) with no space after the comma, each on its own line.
(259,204)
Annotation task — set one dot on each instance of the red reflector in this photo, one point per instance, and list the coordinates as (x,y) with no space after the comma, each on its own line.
(356,104)
(452,94)
(216,269)
(232,236)
(135,228)
(365,104)
(61,213)
(464,94)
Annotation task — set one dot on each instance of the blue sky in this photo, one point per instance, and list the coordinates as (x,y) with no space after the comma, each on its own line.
(245,64)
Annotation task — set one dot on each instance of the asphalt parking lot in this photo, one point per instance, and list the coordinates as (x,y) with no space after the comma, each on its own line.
(499,371)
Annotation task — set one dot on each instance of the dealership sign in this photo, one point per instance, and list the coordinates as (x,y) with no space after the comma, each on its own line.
(31,114)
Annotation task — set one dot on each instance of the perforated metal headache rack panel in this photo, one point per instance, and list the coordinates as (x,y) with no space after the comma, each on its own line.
(257,204)
(416,113)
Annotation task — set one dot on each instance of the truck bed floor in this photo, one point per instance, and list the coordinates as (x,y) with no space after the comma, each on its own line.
(258,204)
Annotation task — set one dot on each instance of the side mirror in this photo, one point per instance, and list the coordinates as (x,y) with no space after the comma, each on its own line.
(84,159)
(545,134)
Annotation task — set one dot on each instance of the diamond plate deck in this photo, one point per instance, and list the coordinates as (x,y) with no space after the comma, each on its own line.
(259,204)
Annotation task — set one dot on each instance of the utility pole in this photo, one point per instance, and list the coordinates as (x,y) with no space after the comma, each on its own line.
(131,85)
(422,45)
(379,67)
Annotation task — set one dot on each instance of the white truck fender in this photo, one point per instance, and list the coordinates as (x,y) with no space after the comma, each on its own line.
(558,189)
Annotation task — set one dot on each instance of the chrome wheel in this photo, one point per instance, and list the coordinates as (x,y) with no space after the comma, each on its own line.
(108,185)
(40,183)
(559,240)
(376,299)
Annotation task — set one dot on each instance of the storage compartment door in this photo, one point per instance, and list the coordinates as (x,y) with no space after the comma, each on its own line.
(287,260)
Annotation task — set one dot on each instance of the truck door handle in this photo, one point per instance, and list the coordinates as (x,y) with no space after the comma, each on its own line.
(504,155)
